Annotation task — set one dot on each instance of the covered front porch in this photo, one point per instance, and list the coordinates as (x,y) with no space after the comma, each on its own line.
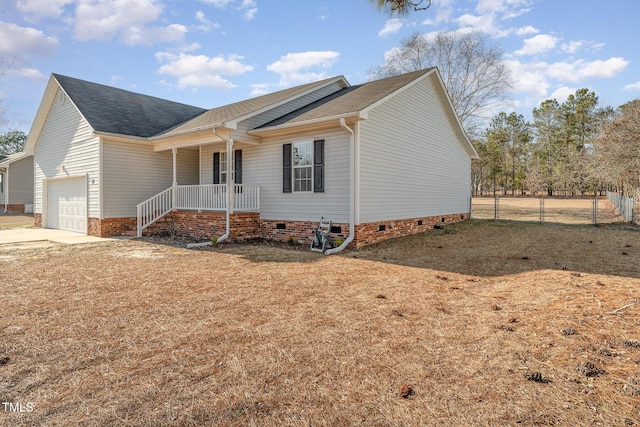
(219,190)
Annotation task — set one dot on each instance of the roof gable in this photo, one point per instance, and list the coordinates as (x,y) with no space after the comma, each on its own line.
(353,99)
(243,109)
(118,111)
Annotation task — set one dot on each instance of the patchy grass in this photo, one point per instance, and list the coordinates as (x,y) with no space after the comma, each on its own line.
(481,323)
(11,221)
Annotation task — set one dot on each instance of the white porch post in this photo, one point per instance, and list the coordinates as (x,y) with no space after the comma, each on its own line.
(230,176)
(174,152)
(6,189)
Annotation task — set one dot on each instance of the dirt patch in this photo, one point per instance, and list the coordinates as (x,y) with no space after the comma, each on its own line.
(138,333)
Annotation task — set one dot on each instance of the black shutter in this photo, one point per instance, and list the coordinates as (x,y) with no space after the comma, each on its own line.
(318,166)
(237,164)
(216,168)
(286,168)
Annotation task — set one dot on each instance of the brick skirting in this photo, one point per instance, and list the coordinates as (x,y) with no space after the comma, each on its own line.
(248,225)
(373,232)
(17,208)
(37,220)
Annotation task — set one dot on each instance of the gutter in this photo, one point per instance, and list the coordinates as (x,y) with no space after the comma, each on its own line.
(353,178)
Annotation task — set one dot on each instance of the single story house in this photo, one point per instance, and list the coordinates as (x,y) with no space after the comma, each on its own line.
(16,183)
(380,159)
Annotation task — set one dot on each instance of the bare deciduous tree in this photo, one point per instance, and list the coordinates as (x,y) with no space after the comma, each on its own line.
(618,148)
(401,7)
(474,73)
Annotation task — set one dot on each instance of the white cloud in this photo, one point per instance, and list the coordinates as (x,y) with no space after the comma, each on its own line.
(250,9)
(390,27)
(218,3)
(529,79)
(260,89)
(152,35)
(205,24)
(580,70)
(104,20)
(533,79)
(562,93)
(525,31)
(538,44)
(27,73)
(294,62)
(572,47)
(202,71)
(633,86)
(43,8)
(298,68)
(24,41)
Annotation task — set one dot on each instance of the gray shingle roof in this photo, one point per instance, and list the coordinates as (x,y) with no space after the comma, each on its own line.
(349,100)
(118,111)
(236,110)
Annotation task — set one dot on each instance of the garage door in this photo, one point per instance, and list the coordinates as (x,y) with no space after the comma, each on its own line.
(67,204)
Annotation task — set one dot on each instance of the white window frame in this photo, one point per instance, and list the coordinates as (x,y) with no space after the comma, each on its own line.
(223,167)
(297,182)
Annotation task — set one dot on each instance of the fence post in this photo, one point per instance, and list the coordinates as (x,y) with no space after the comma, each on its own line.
(541,210)
(595,211)
(495,208)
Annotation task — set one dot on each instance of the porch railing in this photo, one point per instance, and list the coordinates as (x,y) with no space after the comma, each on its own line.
(209,197)
(153,209)
(213,197)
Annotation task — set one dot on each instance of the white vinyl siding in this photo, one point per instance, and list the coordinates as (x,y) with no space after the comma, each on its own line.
(262,165)
(134,172)
(412,163)
(20,182)
(67,147)
(21,185)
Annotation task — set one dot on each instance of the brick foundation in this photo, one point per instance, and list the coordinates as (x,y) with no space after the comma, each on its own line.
(37,220)
(374,232)
(14,208)
(300,231)
(248,225)
(112,227)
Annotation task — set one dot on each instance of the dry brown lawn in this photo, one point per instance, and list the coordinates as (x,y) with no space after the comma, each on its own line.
(9,221)
(482,323)
(555,210)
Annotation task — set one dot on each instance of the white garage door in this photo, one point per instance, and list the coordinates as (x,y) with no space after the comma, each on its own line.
(67,204)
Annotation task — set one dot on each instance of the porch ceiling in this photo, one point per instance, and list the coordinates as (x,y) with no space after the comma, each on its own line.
(203,137)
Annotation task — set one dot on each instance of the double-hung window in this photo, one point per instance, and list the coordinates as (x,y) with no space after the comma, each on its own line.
(303,166)
(221,167)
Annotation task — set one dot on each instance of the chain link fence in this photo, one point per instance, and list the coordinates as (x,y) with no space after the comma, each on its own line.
(546,210)
(624,205)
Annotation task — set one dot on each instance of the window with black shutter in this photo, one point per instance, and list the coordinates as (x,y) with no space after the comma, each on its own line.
(220,167)
(303,166)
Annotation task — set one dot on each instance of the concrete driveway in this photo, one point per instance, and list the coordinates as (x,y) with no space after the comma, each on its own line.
(21,235)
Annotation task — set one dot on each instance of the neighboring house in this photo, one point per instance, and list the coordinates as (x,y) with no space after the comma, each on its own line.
(16,183)
(380,160)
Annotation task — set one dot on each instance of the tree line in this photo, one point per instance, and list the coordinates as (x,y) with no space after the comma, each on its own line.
(573,148)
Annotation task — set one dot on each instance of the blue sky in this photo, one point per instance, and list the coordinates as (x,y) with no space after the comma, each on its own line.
(209,53)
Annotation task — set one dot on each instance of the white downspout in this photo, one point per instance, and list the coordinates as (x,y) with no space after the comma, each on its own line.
(229,198)
(352,185)
(6,189)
